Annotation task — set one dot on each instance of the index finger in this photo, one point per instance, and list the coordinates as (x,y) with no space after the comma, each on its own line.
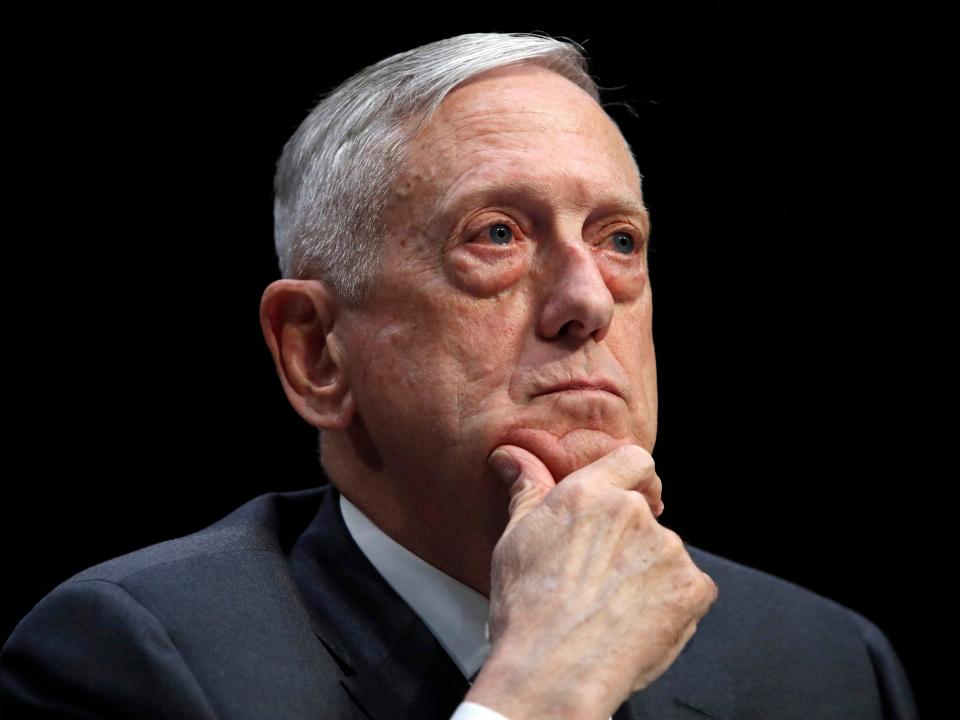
(628,467)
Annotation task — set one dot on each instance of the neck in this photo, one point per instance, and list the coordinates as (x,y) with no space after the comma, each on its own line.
(451,523)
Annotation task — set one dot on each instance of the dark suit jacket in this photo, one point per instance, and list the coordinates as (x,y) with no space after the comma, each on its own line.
(274,612)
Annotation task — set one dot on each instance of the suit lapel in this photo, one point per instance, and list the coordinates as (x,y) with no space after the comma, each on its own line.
(416,679)
(393,665)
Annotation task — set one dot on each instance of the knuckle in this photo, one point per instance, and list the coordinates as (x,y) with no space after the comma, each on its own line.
(689,588)
(635,503)
(688,604)
(646,466)
(672,543)
(713,592)
(630,509)
(699,592)
(640,460)
(501,551)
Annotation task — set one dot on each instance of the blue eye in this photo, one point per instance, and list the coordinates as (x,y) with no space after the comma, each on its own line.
(623,242)
(500,234)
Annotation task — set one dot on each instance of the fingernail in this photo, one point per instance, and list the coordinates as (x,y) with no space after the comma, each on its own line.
(503,466)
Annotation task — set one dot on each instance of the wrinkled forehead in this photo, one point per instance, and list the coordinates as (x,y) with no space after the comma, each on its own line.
(522,121)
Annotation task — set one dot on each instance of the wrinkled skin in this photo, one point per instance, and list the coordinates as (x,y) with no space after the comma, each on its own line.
(446,362)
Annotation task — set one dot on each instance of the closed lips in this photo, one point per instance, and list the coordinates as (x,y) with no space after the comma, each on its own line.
(606,387)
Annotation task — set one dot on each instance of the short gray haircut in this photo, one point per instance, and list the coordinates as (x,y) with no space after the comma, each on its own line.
(335,174)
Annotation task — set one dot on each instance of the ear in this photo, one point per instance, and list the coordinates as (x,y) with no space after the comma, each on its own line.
(297,318)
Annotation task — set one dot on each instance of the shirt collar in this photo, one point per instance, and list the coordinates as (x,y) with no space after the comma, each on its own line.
(455,613)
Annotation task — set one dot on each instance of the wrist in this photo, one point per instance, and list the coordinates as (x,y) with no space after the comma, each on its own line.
(515,685)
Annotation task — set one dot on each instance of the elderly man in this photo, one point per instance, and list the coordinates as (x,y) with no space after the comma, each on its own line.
(466,316)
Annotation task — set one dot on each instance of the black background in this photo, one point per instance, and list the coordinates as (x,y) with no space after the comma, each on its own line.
(785,163)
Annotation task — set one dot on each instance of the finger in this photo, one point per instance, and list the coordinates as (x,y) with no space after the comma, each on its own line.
(527,478)
(652,490)
(628,467)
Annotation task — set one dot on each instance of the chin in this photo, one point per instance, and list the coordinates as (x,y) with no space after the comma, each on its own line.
(568,452)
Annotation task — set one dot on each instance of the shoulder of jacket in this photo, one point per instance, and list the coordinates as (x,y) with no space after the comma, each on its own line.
(264,524)
(754,596)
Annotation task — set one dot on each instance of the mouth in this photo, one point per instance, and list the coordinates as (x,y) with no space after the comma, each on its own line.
(581,387)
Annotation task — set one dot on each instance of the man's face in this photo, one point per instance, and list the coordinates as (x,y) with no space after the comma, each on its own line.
(515,263)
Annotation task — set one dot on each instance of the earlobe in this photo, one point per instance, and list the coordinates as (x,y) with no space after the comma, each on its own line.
(298,318)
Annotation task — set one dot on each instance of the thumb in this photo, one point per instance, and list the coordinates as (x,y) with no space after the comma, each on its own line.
(527,479)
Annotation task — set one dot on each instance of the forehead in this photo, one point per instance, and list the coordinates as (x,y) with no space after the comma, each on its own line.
(520,127)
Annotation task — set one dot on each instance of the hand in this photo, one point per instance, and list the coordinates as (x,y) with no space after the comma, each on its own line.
(591,598)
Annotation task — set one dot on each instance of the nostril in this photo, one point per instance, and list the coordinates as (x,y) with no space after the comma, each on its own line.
(574,328)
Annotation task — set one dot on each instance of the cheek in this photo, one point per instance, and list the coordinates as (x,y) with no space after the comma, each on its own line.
(442,343)
(477,348)
(484,271)
(634,339)
(391,364)
(478,338)
(632,344)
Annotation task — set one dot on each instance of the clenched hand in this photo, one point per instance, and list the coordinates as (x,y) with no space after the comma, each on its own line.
(591,598)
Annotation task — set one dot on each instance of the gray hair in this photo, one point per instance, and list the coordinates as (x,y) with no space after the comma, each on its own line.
(334,176)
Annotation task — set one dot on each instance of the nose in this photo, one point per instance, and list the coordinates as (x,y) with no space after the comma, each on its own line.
(578,302)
